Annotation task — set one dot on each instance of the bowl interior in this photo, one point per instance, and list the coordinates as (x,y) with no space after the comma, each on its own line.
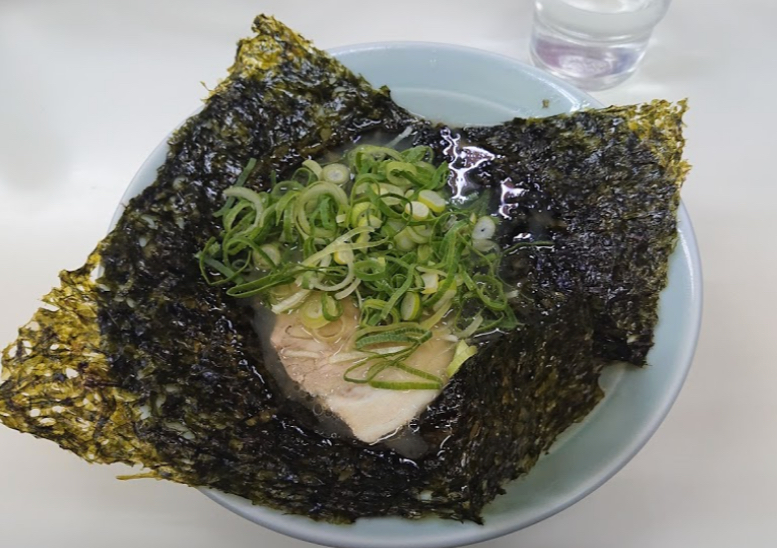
(459,86)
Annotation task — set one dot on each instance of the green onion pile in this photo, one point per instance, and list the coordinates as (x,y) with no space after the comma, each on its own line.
(378,227)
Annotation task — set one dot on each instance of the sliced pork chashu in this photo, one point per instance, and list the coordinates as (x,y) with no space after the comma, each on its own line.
(318,366)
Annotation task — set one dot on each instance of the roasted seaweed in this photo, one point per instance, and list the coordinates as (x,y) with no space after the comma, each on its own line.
(144,363)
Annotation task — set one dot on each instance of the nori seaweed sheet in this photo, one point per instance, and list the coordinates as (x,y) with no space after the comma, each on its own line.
(148,365)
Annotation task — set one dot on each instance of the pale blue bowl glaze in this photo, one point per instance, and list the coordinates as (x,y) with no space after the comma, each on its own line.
(459,85)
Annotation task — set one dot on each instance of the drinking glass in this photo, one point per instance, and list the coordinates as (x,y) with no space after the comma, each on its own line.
(595,44)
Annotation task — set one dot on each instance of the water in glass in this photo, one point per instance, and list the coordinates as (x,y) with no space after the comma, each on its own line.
(596,44)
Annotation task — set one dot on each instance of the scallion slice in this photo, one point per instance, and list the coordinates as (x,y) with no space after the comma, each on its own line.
(377,226)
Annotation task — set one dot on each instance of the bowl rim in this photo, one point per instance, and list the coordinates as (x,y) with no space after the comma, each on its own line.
(290,525)
(569,91)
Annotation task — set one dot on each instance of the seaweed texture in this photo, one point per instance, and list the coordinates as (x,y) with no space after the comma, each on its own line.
(150,366)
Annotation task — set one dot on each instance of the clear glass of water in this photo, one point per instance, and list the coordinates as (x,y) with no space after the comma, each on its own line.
(595,44)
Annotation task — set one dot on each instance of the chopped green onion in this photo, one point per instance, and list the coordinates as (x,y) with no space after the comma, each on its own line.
(370,269)
(406,385)
(343,255)
(409,332)
(371,221)
(484,246)
(313,166)
(419,234)
(291,302)
(403,241)
(312,313)
(472,328)
(418,211)
(348,290)
(338,174)
(378,226)
(462,353)
(386,189)
(484,228)
(331,308)
(424,253)
(267,256)
(396,172)
(432,200)
(241,180)
(410,309)
(431,282)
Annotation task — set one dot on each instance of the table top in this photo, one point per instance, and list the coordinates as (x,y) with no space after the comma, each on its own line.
(89,87)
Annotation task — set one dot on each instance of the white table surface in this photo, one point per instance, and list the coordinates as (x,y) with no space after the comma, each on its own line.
(88,88)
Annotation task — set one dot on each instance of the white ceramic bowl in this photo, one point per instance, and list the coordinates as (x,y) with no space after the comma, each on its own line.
(458,86)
